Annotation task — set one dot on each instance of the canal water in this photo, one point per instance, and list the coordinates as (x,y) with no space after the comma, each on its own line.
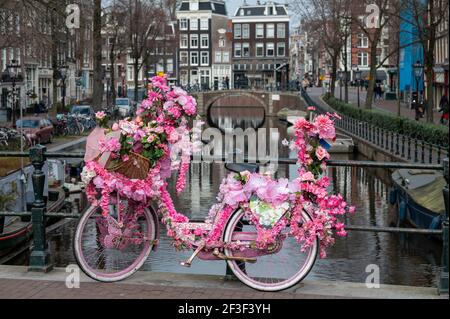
(402,259)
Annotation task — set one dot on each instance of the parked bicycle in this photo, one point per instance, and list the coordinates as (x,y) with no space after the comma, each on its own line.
(268,231)
(8,135)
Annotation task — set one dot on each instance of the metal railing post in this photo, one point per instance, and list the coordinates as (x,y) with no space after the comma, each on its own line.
(40,256)
(443,275)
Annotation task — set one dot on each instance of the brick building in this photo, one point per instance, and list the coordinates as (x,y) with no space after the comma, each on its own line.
(261,46)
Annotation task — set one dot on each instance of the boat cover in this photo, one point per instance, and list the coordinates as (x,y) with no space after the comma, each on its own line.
(423,186)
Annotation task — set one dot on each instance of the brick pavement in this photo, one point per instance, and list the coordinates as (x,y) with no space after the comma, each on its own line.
(17,283)
(38,289)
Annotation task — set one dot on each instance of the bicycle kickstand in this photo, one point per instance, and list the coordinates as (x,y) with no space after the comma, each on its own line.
(188,263)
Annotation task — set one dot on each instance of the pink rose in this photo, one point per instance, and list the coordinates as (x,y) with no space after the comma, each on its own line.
(325,127)
(307,177)
(322,153)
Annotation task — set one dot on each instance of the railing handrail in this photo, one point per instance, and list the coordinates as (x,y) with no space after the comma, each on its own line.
(263,161)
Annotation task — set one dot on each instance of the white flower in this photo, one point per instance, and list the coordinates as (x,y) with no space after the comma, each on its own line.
(87,175)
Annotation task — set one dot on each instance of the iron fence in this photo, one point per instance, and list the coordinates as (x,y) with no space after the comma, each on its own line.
(40,256)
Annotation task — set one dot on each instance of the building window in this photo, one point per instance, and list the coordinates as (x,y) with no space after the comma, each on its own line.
(184,58)
(184,41)
(194,77)
(363,41)
(193,6)
(205,58)
(245,31)
(169,65)
(221,43)
(226,57)
(183,24)
(237,50)
(130,73)
(204,24)
(194,24)
(237,31)
(194,58)
(363,59)
(270,49)
(260,31)
(204,77)
(205,41)
(218,57)
(259,49)
(270,33)
(245,50)
(281,30)
(194,40)
(281,49)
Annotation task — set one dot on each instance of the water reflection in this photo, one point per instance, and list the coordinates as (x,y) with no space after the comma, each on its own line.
(402,259)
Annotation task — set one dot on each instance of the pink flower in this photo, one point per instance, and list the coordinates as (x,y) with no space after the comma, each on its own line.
(302,124)
(175,112)
(311,108)
(325,127)
(115,127)
(307,177)
(322,153)
(100,115)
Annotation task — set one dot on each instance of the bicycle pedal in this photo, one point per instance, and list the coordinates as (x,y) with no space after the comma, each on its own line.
(186,264)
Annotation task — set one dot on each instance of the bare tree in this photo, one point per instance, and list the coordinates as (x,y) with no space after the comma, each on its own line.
(116,39)
(324,19)
(144,20)
(97,95)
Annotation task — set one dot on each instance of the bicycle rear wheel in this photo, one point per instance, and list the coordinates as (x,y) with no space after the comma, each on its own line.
(281,269)
(113,248)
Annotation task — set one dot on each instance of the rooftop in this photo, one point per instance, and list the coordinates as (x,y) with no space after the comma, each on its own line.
(217,7)
(267,9)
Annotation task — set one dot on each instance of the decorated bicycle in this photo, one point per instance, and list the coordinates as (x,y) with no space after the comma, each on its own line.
(268,231)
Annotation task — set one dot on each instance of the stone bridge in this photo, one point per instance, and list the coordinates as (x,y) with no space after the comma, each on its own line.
(272,102)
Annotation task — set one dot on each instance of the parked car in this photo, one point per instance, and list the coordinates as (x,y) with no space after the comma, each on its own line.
(124,107)
(37,129)
(83,110)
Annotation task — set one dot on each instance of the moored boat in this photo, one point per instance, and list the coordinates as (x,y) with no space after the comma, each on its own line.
(418,197)
(17,231)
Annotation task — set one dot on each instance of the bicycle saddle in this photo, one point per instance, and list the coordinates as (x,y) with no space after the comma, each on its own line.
(242,167)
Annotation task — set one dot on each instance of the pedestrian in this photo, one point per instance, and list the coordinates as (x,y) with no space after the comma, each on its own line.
(444,109)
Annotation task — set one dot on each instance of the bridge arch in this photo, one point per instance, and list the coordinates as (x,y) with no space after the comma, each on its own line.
(248,108)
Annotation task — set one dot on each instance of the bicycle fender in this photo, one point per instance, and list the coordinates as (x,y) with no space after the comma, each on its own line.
(157,227)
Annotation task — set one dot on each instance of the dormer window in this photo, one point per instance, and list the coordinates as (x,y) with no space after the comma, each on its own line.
(193,5)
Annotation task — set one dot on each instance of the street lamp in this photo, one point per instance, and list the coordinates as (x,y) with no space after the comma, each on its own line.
(108,77)
(63,73)
(358,73)
(124,74)
(340,75)
(13,75)
(418,72)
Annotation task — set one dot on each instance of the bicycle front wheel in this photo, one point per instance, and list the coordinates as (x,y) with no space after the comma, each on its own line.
(281,268)
(113,248)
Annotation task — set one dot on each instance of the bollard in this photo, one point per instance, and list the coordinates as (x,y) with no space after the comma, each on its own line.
(40,256)
(443,275)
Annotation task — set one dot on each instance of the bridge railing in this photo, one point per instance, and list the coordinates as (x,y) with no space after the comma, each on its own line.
(40,257)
